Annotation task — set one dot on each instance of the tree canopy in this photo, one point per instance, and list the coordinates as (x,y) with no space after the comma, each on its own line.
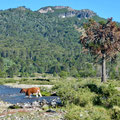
(34,42)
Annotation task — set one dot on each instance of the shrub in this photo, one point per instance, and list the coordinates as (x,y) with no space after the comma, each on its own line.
(86,113)
(77,75)
(107,96)
(93,87)
(87,99)
(2,74)
(45,92)
(55,74)
(115,114)
(63,74)
(71,92)
(87,73)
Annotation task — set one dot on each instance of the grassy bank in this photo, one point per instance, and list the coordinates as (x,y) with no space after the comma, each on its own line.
(89,99)
(41,79)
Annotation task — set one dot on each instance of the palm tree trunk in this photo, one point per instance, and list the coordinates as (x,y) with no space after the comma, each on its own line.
(103,78)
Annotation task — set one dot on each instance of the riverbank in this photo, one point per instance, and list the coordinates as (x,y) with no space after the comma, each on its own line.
(27,111)
(15,85)
(34,113)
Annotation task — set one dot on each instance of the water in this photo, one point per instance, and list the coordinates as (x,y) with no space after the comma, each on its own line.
(13,95)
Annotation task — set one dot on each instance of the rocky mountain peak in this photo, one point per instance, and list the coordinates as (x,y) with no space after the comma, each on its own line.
(69,12)
(52,9)
(84,13)
(46,10)
(64,7)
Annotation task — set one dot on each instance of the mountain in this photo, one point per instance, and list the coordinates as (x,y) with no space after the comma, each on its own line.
(45,40)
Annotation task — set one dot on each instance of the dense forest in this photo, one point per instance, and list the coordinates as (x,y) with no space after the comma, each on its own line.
(31,41)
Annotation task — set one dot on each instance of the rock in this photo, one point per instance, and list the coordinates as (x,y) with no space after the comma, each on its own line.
(53,94)
(51,111)
(45,107)
(43,102)
(35,104)
(79,13)
(46,10)
(27,105)
(84,13)
(53,103)
(15,107)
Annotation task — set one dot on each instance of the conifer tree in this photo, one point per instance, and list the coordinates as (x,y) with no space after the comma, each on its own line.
(103,40)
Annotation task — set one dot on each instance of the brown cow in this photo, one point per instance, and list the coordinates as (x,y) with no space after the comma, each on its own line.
(29,91)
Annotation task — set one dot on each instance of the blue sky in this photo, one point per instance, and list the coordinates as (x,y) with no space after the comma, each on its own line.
(104,8)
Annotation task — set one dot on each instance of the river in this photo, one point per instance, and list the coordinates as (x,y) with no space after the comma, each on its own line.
(13,95)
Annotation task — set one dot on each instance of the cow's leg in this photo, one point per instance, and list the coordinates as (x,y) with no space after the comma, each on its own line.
(26,96)
(36,94)
(29,94)
(39,94)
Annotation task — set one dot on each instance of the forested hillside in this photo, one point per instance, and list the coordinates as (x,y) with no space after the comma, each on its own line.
(46,40)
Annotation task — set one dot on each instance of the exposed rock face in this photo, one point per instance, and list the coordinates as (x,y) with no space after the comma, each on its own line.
(85,13)
(79,13)
(46,10)
(62,7)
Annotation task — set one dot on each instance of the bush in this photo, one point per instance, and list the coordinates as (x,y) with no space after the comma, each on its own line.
(74,72)
(2,74)
(55,74)
(108,96)
(115,115)
(77,75)
(63,74)
(86,113)
(88,70)
(45,91)
(71,92)
(87,73)
(87,99)
(93,87)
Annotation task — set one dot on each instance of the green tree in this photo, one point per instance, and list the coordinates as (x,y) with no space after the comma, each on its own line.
(12,71)
(102,40)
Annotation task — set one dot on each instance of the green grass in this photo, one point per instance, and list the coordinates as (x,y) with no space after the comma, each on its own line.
(39,79)
(7,80)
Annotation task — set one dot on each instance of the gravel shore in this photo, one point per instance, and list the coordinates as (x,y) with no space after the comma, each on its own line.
(28,113)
